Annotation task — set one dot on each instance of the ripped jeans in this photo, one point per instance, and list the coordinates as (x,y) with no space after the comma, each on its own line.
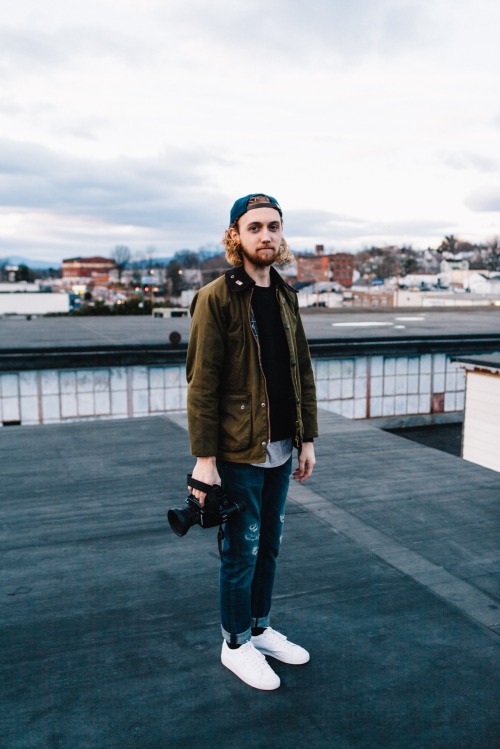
(251,545)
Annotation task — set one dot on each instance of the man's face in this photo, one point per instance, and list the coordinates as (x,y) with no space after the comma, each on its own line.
(260,233)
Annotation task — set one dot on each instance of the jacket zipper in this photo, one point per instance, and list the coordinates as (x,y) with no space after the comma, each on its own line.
(293,375)
(268,418)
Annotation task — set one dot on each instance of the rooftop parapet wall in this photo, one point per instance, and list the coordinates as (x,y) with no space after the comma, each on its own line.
(367,366)
(426,387)
(70,357)
(52,396)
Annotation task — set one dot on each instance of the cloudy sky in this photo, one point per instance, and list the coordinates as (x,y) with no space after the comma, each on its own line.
(139,122)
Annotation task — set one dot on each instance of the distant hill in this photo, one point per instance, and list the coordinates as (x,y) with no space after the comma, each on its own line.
(163,261)
(33,264)
(203,254)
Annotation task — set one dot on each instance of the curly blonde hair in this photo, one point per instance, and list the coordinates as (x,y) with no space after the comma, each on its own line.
(233,246)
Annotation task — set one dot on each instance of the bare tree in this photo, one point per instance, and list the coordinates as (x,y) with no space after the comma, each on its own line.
(149,254)
(449,244)
(175,278)
(213,267)
(187,258)
(121,255)
(493,257)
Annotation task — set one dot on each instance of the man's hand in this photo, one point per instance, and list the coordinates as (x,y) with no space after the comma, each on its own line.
(307,462)
(205,471)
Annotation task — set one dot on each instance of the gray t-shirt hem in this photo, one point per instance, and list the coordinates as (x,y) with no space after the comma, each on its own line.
(277,453)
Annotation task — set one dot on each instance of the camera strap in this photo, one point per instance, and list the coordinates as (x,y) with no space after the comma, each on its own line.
(198,484)
(220,539)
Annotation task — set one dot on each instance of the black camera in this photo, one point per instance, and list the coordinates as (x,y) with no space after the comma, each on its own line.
(216,510)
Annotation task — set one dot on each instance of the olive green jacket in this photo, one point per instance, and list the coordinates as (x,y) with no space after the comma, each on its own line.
(228,408)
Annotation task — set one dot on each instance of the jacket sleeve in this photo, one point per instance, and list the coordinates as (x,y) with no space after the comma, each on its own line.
(308,387)
(204,365)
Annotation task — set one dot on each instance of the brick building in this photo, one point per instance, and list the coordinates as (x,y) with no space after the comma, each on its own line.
(337,267)
(342,264)
(92,268)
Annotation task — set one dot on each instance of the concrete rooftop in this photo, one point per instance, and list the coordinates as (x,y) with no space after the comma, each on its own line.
(50,332)
(110,632)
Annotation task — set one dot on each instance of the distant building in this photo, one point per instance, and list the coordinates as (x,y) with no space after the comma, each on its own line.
(453,262)
(19,287)
(460,277)
(481,431)
(33,303)
(480,283)
(95,269)
(337,267)
(342,264)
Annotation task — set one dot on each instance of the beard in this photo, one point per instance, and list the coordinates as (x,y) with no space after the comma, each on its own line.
(259,259)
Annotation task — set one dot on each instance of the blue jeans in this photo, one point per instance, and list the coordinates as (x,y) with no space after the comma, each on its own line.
(251,545)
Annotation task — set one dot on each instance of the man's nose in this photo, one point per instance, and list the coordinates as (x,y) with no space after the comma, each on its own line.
(265,236)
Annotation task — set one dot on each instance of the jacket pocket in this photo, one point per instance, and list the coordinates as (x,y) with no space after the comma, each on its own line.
(235,421)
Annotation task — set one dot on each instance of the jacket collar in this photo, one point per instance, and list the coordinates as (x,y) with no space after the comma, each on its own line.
(238,279)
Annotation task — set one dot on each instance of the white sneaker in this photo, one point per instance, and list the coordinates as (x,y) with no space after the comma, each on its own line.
(276,645)
(250,665)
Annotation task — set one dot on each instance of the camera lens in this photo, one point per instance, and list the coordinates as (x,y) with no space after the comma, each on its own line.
(180,521)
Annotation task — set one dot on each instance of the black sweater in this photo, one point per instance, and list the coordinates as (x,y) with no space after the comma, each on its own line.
(275,359)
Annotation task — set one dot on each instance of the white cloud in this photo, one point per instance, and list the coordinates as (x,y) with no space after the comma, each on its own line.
(486,199)
(367,119)
(474,161)
(164,200)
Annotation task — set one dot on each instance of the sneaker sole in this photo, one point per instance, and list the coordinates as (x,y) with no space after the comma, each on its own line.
(248,681)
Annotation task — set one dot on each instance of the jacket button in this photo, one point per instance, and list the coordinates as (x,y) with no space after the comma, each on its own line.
(286,326)
(263,443)
(263,405)
(242,407)
(298,401)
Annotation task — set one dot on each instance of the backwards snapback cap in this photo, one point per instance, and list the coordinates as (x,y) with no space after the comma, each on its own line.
(241,206)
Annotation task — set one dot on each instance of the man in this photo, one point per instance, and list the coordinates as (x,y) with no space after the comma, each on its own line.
(251,397)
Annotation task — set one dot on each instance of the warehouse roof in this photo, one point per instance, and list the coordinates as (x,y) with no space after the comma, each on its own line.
(80,341)
(487,361)
(49,332)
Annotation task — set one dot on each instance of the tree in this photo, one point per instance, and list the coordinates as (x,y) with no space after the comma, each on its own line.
(493,257)
(24,274)
(449,244)
(213,267)
(367,260)
(175,278)
(187,258)
(408,262)
(150,253)
(386,267)
(121,255)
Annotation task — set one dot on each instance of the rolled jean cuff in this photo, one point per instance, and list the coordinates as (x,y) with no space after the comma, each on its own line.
(236,639)
(261,621)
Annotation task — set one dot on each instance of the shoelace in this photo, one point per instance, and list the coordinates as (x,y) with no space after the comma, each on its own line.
(252,654)
(272,634)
